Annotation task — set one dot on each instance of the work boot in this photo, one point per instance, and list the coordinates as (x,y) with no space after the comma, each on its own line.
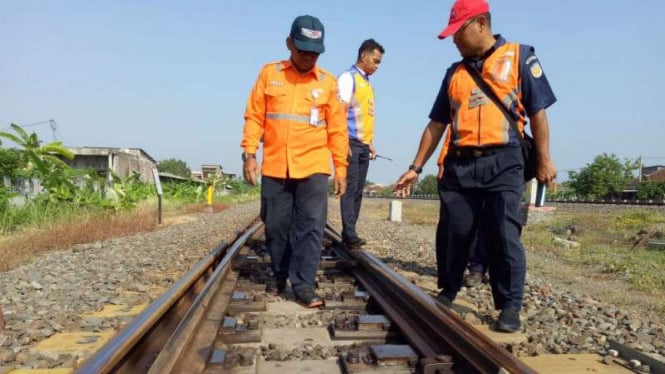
(444,300)
(276,287)
(509,321)
(473,279)
(306,296)
(355,243)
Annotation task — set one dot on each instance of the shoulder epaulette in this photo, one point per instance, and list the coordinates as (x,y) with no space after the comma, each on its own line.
(323,73)
(277,65)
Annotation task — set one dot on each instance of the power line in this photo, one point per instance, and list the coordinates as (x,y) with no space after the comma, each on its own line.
(52,124)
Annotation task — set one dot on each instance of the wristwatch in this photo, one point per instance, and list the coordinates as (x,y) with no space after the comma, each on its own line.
(247,156)
(417,169)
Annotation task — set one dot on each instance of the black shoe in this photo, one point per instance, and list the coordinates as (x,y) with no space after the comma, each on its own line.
(308,297)
(509,321)
(276,287)
(354,244)
(473,279)
(443,299)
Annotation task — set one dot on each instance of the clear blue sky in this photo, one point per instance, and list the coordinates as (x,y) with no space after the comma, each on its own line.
(173,77)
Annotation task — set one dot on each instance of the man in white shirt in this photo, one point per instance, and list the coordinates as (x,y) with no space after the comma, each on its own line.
(357,93)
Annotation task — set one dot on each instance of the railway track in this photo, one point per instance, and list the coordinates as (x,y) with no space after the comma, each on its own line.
(656,203)
(219,318)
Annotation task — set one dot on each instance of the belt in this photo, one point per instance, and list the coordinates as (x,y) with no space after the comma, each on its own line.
(476,152)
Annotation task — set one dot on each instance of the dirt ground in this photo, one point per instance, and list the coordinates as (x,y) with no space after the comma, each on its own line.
(609,288)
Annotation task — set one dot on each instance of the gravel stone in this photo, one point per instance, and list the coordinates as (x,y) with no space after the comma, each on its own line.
(556,319)
(51,293)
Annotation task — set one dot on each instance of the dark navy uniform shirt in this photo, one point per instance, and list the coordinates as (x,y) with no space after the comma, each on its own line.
(536,91)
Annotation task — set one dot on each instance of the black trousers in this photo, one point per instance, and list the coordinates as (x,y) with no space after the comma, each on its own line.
(481,196)
(294,212)
(356,176)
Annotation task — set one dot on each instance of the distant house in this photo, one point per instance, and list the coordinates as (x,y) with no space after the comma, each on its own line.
(197,175)
(122,161)
(209,170)
(653,173)
(373,189)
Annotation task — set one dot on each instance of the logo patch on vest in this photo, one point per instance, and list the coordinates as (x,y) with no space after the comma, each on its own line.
(501,69)
(316,92)
(477,98)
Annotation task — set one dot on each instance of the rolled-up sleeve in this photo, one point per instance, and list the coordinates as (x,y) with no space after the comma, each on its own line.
(255,116)
(345,86)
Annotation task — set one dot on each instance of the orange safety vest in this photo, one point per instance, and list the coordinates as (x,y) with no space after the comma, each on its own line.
(444,148)
(301,120)
(476,120)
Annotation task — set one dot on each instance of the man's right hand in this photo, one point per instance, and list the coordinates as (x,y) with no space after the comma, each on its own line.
(249,171)
(405,183)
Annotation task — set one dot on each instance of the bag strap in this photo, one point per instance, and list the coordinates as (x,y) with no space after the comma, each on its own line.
(489,92)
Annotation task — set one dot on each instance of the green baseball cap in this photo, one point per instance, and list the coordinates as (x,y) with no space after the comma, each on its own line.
(307,34)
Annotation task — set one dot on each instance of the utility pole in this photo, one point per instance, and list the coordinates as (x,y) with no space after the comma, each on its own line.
(53,126)
(639,169)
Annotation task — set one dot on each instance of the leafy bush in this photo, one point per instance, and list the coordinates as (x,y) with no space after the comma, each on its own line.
(651,190)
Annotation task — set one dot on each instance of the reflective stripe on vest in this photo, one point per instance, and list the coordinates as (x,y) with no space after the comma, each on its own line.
(293,117)
(360,115)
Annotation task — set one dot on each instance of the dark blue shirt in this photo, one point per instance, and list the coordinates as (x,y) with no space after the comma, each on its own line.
(536,91)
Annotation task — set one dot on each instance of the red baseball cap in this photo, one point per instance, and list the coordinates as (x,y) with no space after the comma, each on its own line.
(462,11)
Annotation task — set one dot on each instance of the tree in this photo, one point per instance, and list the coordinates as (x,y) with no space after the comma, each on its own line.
(36,159)
(428,185)
(651,190)
(605,177)
(45,163)
(176,167)
(10,162)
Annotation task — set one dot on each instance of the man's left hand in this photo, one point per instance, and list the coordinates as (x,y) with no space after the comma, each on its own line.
(372,152)
(546,172)
(340,186)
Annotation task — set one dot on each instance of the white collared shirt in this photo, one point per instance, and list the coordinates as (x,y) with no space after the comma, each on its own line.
(345,85)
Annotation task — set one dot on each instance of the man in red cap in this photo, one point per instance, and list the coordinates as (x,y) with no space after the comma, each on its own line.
(484,167)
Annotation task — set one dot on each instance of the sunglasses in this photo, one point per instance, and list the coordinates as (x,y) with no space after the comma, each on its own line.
(465,25)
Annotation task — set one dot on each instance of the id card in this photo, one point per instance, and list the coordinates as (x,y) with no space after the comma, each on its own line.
(314,116)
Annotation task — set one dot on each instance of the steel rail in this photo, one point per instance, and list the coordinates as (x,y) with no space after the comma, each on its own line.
(432,330)
(184,333)
(650,202)
(140,341)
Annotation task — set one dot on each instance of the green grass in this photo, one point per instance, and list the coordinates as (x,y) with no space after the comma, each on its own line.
(606,244)
(417,212)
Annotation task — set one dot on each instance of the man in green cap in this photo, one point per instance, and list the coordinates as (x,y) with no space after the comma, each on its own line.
(295,110)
